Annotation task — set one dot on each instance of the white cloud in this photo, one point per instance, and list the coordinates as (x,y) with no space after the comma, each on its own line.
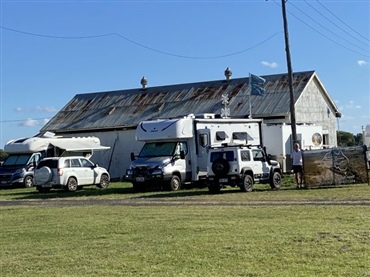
(46,109)
(352,105)
(361,63)
(45,120)
(268,64)
(18,109)
(29,122)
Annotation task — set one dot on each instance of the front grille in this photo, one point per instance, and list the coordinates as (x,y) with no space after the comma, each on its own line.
(4,177)
(141,171)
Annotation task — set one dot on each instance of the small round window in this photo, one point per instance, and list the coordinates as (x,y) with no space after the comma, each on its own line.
(316,139)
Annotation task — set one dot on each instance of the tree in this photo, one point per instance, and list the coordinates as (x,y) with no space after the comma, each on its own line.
(358,139)
(3,155)
(345,138)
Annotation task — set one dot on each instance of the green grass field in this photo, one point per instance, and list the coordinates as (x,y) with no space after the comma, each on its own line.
(188,233)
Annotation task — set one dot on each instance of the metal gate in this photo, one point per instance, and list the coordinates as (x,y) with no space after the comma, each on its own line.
(335,166)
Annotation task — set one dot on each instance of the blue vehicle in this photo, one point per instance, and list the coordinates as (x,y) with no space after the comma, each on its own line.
(18,169)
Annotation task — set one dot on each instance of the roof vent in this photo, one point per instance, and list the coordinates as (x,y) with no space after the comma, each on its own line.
(144,82)
(228,73)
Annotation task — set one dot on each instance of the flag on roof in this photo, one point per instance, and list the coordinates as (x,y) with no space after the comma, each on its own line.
(256,83)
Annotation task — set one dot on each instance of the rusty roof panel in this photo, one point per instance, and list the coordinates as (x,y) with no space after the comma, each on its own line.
(126,108)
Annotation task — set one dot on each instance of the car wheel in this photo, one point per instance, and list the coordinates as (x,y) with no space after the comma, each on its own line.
(28,182)
(72,184)
(220,167)
(275,180)
(247,185)
(104,182)
(175,183)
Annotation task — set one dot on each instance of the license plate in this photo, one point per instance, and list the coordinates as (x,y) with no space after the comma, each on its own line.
(140,179)
(223,180)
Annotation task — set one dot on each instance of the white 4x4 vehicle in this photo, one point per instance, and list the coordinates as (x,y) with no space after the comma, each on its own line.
(69,173)
(241,166)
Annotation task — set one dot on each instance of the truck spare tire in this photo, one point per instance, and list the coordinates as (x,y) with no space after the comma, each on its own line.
(44,175)
(220,167)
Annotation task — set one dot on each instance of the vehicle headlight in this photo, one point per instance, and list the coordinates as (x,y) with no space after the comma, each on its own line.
(157,172)
(129,171)
(158,169)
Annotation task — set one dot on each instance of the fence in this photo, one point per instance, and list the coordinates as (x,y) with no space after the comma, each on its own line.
(335,166)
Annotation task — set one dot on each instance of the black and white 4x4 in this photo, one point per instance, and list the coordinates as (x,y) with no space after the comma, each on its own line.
(69,173)
(241,166)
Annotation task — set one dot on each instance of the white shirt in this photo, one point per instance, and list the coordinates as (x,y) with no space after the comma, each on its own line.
(297,157)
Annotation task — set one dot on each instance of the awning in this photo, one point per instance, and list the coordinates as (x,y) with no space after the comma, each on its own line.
(76,145)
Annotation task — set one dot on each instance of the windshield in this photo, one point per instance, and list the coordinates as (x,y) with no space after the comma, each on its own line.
(20,159)
(155,149)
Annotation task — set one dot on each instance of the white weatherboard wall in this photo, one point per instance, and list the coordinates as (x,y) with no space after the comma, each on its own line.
(277,139)
(313,108)
(366,136)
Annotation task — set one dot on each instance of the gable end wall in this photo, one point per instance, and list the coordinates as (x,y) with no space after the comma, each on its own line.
(312,108)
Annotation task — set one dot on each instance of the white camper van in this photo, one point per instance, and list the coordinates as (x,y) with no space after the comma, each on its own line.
(176,150)
(25,153)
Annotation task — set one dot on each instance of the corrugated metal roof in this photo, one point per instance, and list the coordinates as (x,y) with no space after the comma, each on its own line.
(126,108)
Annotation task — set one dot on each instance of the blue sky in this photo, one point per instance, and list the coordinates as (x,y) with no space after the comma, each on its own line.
(52,50)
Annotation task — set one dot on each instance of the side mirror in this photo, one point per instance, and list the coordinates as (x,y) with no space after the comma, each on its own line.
(182,154)
(132,156)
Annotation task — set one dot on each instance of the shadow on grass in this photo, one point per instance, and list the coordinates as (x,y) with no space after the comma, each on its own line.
(127,192)
(33,194)
(61,193)
(202,191)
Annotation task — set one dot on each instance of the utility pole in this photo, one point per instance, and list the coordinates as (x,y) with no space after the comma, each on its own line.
(290,74)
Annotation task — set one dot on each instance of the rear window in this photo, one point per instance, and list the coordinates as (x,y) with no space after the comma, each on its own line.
(48,163)
(226,155)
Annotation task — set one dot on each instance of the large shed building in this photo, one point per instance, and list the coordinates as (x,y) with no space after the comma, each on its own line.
(113,116)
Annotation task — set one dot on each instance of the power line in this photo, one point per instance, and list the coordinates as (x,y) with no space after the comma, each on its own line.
(327,28)
(142,45)
(336,42)
(366,44)
(342,21)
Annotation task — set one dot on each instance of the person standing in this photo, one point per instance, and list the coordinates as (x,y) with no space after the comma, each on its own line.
(297,165)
